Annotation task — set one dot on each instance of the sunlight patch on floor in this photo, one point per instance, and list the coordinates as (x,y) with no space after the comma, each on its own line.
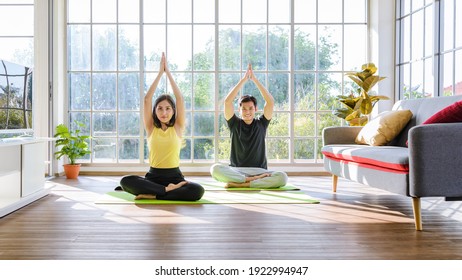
(450,209)
(326,213)
(133,219)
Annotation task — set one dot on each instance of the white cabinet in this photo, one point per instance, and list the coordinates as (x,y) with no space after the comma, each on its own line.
(33,167)
(22,173)
(10,172)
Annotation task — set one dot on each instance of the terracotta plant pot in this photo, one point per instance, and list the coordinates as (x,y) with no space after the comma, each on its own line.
(71,170)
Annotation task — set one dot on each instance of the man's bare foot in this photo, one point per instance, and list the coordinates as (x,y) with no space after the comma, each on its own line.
(256,177)
(172,186)
(237,185)
(145,196)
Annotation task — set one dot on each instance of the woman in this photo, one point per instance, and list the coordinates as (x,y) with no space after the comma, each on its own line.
(164,125)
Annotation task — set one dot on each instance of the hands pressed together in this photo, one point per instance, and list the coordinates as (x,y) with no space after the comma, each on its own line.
(249,73)
(163,68)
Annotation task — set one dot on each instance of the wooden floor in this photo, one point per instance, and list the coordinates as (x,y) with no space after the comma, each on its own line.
(357,222)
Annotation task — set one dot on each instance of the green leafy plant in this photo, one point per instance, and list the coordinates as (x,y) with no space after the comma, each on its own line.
(71,144)
(357,106)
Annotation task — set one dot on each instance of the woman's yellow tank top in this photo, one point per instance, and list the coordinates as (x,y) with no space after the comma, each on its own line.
(164,148)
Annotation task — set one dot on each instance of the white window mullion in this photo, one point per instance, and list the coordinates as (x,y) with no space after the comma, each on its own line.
(142,82)
(291,86)
(217,86)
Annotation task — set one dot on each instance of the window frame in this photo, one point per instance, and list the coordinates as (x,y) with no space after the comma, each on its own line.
(217,111)
(404,67)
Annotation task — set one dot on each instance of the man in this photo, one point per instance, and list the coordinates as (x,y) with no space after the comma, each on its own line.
(248,167)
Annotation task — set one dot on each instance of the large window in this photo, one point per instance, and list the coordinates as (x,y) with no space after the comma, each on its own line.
(17,31)
(429,48)
(16,62)
(299,49)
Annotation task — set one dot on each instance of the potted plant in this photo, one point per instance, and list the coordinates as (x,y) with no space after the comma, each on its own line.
(358,106)
(73,145)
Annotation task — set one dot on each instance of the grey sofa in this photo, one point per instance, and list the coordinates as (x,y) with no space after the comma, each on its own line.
(430,166)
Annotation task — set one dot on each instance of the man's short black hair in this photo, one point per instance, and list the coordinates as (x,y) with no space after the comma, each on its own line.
(247,98)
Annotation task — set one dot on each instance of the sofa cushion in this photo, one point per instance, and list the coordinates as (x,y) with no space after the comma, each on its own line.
(450,114)
(422,109)
(383,128)
(394,159)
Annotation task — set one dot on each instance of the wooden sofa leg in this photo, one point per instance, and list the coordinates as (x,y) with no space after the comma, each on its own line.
(334,183)
(417,213)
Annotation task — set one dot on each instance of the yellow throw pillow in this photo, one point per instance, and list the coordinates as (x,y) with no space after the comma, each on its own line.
(383,128)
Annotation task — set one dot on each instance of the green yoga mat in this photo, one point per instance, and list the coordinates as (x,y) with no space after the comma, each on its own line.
(218,186)
(217,197)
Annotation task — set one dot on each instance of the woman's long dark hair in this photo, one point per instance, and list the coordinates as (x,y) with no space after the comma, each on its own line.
(172,103)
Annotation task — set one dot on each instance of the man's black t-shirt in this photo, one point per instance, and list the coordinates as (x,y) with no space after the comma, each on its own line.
(248,142)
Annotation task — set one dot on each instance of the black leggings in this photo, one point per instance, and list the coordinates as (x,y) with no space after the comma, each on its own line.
(155,182)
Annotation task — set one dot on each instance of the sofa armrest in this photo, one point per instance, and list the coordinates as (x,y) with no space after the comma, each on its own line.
(340,134)
(435,158)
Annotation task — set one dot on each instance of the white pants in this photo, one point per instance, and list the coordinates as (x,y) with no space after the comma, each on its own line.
(226,174)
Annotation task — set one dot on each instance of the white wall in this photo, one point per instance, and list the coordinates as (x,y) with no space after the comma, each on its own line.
(40,110)
(41,105)
(49,110)
(59,71)
(382,48)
